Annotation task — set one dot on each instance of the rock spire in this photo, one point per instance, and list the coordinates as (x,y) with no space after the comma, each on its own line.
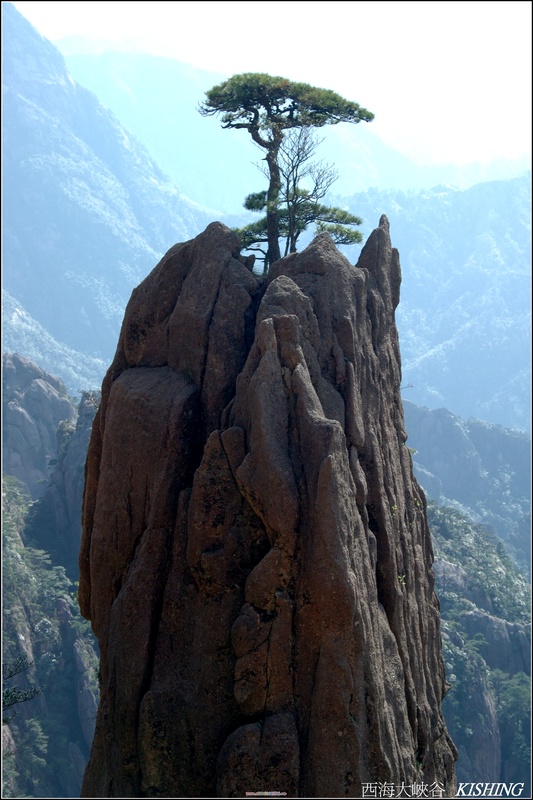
(256,560)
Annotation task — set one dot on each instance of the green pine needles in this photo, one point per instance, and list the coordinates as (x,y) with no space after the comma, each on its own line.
(281,116)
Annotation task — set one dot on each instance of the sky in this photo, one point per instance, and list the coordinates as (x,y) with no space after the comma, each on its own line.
(448,82)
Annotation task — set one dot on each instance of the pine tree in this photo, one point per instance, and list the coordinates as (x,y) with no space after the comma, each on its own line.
(267,107)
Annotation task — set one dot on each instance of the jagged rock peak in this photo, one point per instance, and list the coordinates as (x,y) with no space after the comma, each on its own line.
(256,560)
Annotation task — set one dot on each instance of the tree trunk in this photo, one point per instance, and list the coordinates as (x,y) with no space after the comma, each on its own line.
(272,214)
(272,147)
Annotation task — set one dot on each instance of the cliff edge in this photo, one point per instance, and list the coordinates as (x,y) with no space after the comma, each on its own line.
(256,560)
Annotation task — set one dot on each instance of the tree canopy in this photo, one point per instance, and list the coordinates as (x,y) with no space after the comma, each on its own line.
(267,107)
(12,695)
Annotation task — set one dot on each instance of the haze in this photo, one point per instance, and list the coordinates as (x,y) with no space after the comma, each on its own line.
(449,82)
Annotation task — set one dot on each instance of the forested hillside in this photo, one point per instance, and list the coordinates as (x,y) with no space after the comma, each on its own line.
(46,740)
(486,624)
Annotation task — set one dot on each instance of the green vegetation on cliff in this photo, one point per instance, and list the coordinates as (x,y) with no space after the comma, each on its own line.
(485,610)
(491,575)
(45,746)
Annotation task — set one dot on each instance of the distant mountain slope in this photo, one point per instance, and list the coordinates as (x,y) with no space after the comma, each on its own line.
(482,469)
(23,334)
(86,212)
(465,313)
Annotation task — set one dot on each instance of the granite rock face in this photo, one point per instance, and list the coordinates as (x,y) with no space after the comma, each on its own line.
(508,644)
(55,522)
(33,405)
(256,560)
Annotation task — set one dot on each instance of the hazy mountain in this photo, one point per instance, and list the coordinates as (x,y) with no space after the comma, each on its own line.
(465,313)
(23,334)
(481,469)
(87,213)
